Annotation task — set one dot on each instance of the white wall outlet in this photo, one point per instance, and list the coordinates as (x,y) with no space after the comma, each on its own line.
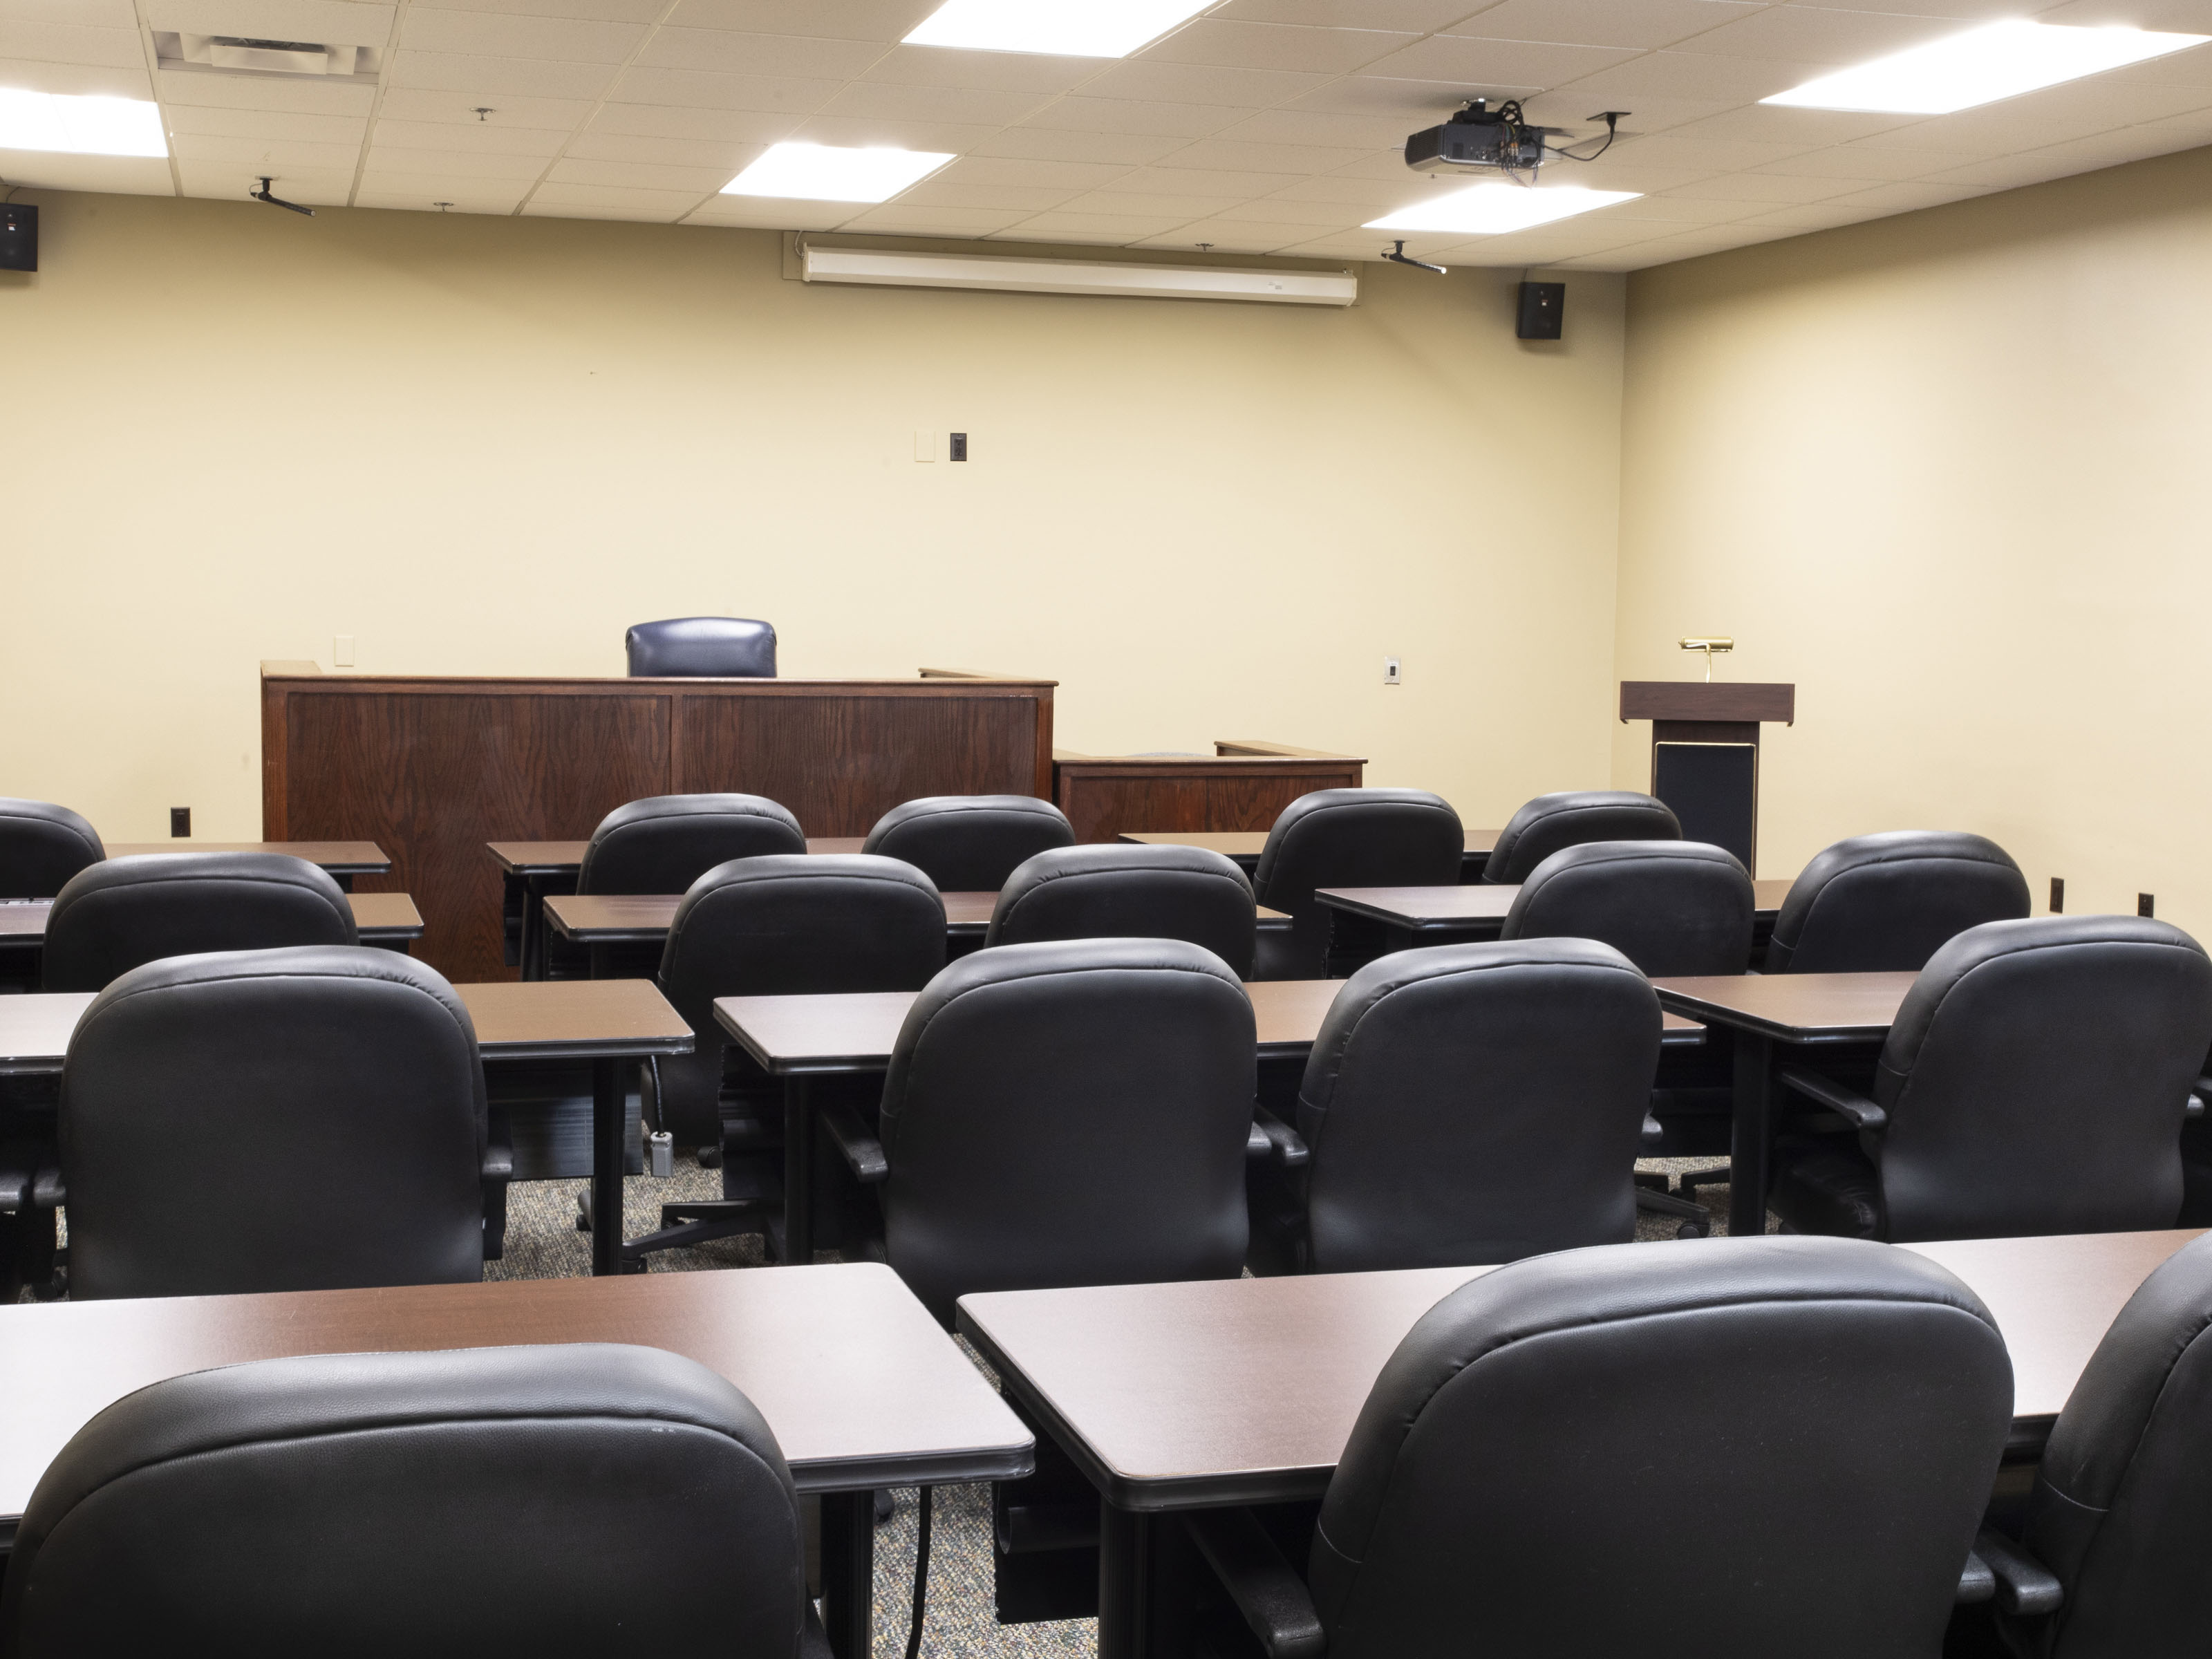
(341,651)
(1390,672)
(927,444)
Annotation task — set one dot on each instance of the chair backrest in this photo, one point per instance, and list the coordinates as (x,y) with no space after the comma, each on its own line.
(969,843)
(1673,907)
(787,925)
(1347,838)
(124,913)
(1496,1492)
(41,846)
(719,647)
(2122,1508)
(664,843)
(1883,904)
(569,1500)
(2036,1079)
(305,1119)
(1111,891)
(1069,1114)
(1477,1103)
(1570,817)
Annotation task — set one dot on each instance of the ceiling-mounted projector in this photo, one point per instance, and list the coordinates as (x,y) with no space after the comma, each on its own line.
(1479,139)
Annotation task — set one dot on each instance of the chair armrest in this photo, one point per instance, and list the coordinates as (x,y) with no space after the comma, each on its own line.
(2024,1585)
(1258,1149)
(1976,1581)
(2198,1092)
(47,1191)
(862,1151)
(1850,1103)
(1285,1144)
(1273,1599)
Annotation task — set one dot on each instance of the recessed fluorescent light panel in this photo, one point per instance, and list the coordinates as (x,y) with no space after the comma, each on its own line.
(1495,210)
(827,173)
(2000,60)
(80,126)
(1065,29)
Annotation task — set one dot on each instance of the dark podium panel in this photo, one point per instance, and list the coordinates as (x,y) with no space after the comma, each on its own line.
(431,769)
(1244,784)
(1705,752)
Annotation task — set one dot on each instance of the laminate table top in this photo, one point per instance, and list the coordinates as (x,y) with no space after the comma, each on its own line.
(376,916)
(855,1032)
(1421,909)
(643,918)
(1248,843)
(553,858)
(550,1019)
(1793,1007)
(1229,1391)
(861,1386)
(340,858)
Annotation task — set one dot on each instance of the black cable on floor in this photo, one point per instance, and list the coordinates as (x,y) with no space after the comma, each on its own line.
(921,1570)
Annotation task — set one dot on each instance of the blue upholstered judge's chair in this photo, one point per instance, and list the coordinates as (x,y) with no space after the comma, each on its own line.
(725,648)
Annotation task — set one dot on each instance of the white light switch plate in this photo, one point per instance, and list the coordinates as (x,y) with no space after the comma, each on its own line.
(341,651)
(1390,673)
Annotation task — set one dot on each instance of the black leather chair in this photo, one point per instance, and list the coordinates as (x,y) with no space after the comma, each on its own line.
(305,1119)
(968,843)
(124,913)
(1473,1103)
(567,1501)
(1497,1493)
(41,846)
(2035,1082)
(1883,904)
(715,648)
(664,843)
(1110,891)
(1346,838)
(1570,817)
(778,925)
(1673,907)
(2119,1522)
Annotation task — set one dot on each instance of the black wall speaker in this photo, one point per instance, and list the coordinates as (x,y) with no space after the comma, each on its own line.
(19,236)
(1543,307)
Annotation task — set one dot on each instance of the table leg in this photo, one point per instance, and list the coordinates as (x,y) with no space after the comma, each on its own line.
(848,1572)
(345,882)
(601,961)
(1144,1589)
(798,1175)
(533,929)
(1752,1131)
(609,1150)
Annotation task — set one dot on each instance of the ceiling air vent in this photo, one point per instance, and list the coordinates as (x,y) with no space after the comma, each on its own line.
(244,54)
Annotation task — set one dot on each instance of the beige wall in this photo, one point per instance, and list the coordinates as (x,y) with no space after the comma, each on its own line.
(1948,472)
(485,445)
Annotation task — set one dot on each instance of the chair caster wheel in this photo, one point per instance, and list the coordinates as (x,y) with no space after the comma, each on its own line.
(885,1506)
(1691,1230)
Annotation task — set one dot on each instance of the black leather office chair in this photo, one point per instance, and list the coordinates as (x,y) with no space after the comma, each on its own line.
(41,846)
(968,843)
(304,1119)
(715,648)
(664,843)
(1883,904)
(780,925)
(1110,891)
(1496,1492)
(1473,1103)
(2035,1082)
(1346,838)
(573,1501)
(1673,907)
(2119,1522)
(124,913)
(1570,817)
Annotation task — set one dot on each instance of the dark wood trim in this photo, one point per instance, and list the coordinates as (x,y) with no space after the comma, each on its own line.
(1746,731)
(1702,700)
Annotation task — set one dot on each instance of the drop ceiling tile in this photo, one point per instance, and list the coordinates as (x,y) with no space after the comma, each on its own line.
(2192,68)
(1381,194)
(1417,103)
(1800,129)
(1818,215)
(1229,43)
(1359,245)
(1642,24)
(1767,187)
(1071,176)
(1212,237)
(1823,35)
(264,152)
(1165,180)
(782,94)
(1117,227)
(1179,209)
(1678,150)
(474,138)
(1033,142)
(495,34)
(1293,210)
(269,125)
(496,77)
(899,219)
(845,20)
(995,71)
(1411,16)
(1902,197)
(1482,63)
(309,186)
(729,51)
(454,163)
(107,175)
(972,106)
(764,213)
(1025,199)
(180,88)
(1390,165)
(1194,83)
(1676,210)
(1292,160)
(1972,10)
(638,175)
(1696,75)
(83,14)
(602,11)
(1300,126)
(611,202)
(339,22)
(665,121)
(1136,117)
(1888,162)
(2056,115)
(946,137)
(2183,16)
(404,195)
(71,43)
(1648,113)
(725,156)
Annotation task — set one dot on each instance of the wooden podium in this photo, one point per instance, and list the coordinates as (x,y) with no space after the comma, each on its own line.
(1705,752)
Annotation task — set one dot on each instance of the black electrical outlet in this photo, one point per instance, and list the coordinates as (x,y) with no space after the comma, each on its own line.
(2146,904)
(959,446)
(180,822)
(2058,896)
